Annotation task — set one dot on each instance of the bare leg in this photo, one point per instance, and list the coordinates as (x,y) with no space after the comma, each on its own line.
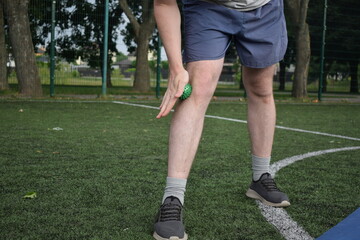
(261,109)
(187,122)
(261,124)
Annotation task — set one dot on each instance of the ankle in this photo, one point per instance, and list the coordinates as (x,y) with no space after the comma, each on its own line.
(175,187)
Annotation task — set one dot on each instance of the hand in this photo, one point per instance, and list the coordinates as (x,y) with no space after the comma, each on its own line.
(175,89)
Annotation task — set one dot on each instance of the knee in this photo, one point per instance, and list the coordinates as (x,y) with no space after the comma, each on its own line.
(259,93)
(259,84)
(202,94)
(203,88)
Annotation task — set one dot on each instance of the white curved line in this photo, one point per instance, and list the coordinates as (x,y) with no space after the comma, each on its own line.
(278,217)
(275,167)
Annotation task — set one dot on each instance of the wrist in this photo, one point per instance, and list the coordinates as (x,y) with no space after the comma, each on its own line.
(176,68)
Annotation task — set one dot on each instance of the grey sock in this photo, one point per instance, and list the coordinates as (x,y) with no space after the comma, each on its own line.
(175,187)
(260,165)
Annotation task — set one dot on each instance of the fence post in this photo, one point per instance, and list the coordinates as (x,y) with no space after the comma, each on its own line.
(321,77)
(106,39)
(158,68)
(52,49)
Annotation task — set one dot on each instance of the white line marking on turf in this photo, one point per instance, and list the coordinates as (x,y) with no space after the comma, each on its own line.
(287,227)
(136,105)
(243,121)
(275,167)
(278,216)
(227,119)
(317,133)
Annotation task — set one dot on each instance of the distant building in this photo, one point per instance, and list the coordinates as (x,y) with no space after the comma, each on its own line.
(124,67)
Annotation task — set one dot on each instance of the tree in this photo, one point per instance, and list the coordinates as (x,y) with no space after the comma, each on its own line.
(85,21)
(3,53)
(16,12)
(142,25)
(342,46)
(347,38)
(82,30)
(298,14)
(286,62)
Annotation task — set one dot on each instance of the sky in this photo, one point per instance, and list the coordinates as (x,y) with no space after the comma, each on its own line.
(123,48)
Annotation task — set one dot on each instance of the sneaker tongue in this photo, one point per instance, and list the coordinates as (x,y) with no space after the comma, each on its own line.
(172,199)
(265,176)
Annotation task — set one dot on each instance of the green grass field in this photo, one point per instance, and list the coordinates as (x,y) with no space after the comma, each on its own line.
(102,176)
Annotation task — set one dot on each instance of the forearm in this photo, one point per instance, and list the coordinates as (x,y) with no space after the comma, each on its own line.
(168,21)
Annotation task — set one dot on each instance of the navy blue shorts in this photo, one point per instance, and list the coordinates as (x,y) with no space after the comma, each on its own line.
(260,35)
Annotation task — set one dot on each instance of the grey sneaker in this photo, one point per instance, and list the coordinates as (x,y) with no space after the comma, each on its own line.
(266,191)
(169,222)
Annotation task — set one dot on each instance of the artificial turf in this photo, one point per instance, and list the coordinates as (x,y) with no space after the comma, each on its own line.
(99,170)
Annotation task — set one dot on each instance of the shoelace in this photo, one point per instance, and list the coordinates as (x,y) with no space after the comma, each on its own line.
(170,212)
(270,185)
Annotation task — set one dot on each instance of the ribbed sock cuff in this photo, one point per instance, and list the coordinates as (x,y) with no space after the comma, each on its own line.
(175,187)
(260,165)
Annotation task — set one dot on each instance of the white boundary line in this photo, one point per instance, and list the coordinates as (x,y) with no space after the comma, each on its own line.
(243,121)
(277,166)
(136,105)
(317,133)
(278,217)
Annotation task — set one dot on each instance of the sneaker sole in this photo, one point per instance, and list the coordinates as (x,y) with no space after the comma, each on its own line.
(157,237)
(252,194)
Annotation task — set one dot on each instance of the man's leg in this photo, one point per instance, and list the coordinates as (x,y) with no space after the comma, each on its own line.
(261,125)
(261,109)
(185,132)
(187,122)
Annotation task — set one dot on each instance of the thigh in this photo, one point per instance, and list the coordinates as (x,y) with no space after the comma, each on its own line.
(204,75)
(259,80)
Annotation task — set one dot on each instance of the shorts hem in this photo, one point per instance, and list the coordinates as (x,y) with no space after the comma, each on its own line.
(188,60)
(261,65)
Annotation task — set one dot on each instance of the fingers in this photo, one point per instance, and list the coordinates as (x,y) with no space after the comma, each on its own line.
(175,89)
(167,107)
(164,107)
(167,104)
(180,88)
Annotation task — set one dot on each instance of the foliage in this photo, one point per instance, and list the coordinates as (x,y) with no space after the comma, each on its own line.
(80,26)
(120,56)
(342,34)
(128,32)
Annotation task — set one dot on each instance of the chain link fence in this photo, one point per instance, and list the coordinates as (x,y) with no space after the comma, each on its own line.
(79,43)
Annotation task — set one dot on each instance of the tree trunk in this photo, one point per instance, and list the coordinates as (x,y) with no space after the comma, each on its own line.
(142,74)
(354,84)
(282,75)
(108,77)
(298,13)
(3,54)
(27,73)
(302,62)
(108,72)
(142,33)
(327,68)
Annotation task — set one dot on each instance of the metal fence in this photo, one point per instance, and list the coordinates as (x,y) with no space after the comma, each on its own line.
(72,34)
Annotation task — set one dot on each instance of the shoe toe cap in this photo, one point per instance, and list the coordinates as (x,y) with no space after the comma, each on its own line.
(279,197)
(169,229)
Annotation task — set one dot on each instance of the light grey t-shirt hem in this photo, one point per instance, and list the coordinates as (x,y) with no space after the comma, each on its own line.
(240,5)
